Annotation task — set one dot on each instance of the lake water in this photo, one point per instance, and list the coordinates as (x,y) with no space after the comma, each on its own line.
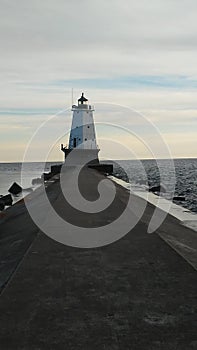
(150,174)
(142,172)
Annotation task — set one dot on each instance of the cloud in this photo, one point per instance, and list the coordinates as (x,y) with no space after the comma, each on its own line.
(140,54)
(91,38)
(77,24)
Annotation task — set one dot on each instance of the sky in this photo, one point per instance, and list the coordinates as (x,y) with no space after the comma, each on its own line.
(134,60)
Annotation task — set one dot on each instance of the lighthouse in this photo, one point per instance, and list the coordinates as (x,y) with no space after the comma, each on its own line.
(82,140)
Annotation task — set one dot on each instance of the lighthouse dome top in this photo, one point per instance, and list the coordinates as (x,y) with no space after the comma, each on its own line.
(82,104)
(82,99)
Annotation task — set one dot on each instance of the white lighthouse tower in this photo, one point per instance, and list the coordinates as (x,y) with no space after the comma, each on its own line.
(82,135)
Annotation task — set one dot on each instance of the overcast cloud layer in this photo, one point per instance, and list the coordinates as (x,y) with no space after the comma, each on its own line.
(137,53)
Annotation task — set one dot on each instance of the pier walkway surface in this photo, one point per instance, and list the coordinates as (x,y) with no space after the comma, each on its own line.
(136,293)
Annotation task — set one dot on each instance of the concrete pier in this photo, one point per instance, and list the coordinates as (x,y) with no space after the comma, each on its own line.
(137,293)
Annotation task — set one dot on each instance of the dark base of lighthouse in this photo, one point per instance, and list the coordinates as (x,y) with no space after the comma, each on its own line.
(86,157)
(76,156)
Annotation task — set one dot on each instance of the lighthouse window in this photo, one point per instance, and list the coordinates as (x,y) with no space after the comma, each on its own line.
(85,139)
(88,126)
